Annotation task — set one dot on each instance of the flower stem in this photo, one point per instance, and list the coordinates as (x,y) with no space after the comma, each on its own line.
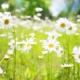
(14,72)
(78,72)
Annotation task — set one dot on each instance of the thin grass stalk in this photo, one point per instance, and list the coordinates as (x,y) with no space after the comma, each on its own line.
(74,69)
(78,72)
(14,71)
(51,66)
(7,69)
(46,61)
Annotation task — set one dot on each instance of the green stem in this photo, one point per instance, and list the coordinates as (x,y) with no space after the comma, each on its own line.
(14,72)
(74,69)
(2,60)
(7,69)
(78,72)
(51,66)
(48,66)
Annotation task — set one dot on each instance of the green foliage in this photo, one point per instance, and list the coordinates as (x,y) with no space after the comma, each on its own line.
(30,6)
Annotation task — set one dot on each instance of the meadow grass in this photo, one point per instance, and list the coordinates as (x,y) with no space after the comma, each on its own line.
(28,64)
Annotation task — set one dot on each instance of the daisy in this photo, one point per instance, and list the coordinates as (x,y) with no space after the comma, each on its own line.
(38,9)
(10,51)
(6,57)
(66,65)
(61,24)
(28,44)
(6,21)
(1,71)
(50,45)
(77,57)
(53,35)
(13,44)
(71,29)
(5,6)
(35,28)
(60,52)
(76,51)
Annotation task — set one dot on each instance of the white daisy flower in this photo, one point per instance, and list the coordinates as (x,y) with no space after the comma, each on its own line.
(71,29)
(77,57)
(13,44)
(6,21)
(5,6)
(6,57)
(44,52)
(1,14)
(1,71)
(10,51)
(53,35)
(66,65)
(36,28)
(60,52)
(40,57)
(50,45)
(61,24)
(76,51)
(28,44)
(38,9)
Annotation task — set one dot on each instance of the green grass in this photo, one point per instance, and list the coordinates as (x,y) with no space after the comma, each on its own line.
(28,65)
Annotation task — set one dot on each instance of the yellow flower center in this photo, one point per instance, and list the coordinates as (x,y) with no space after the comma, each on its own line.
(79,56)
(13,44)
(52,37)
(51,45)
(61,51)
(28,44)
(62,25)
(70,28)
(6,21)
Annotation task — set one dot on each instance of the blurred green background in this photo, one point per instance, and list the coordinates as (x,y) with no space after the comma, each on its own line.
(27,7)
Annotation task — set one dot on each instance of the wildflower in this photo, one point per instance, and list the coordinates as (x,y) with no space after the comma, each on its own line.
(5,6)
(71,29)
(6,21)
(38,9)
(1,71)
(28,44)
(10,51)
(66,65)
(6,57)
(35,17)
(40,57)
(36,28)
(60,52)
(14,44)
(53,35)
(76,51)
(61,24)
(50,45)
(38,14)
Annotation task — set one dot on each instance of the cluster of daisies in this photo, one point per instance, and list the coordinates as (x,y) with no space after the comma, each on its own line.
(24,45)
(51,44)
(64,25)
(5,20)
